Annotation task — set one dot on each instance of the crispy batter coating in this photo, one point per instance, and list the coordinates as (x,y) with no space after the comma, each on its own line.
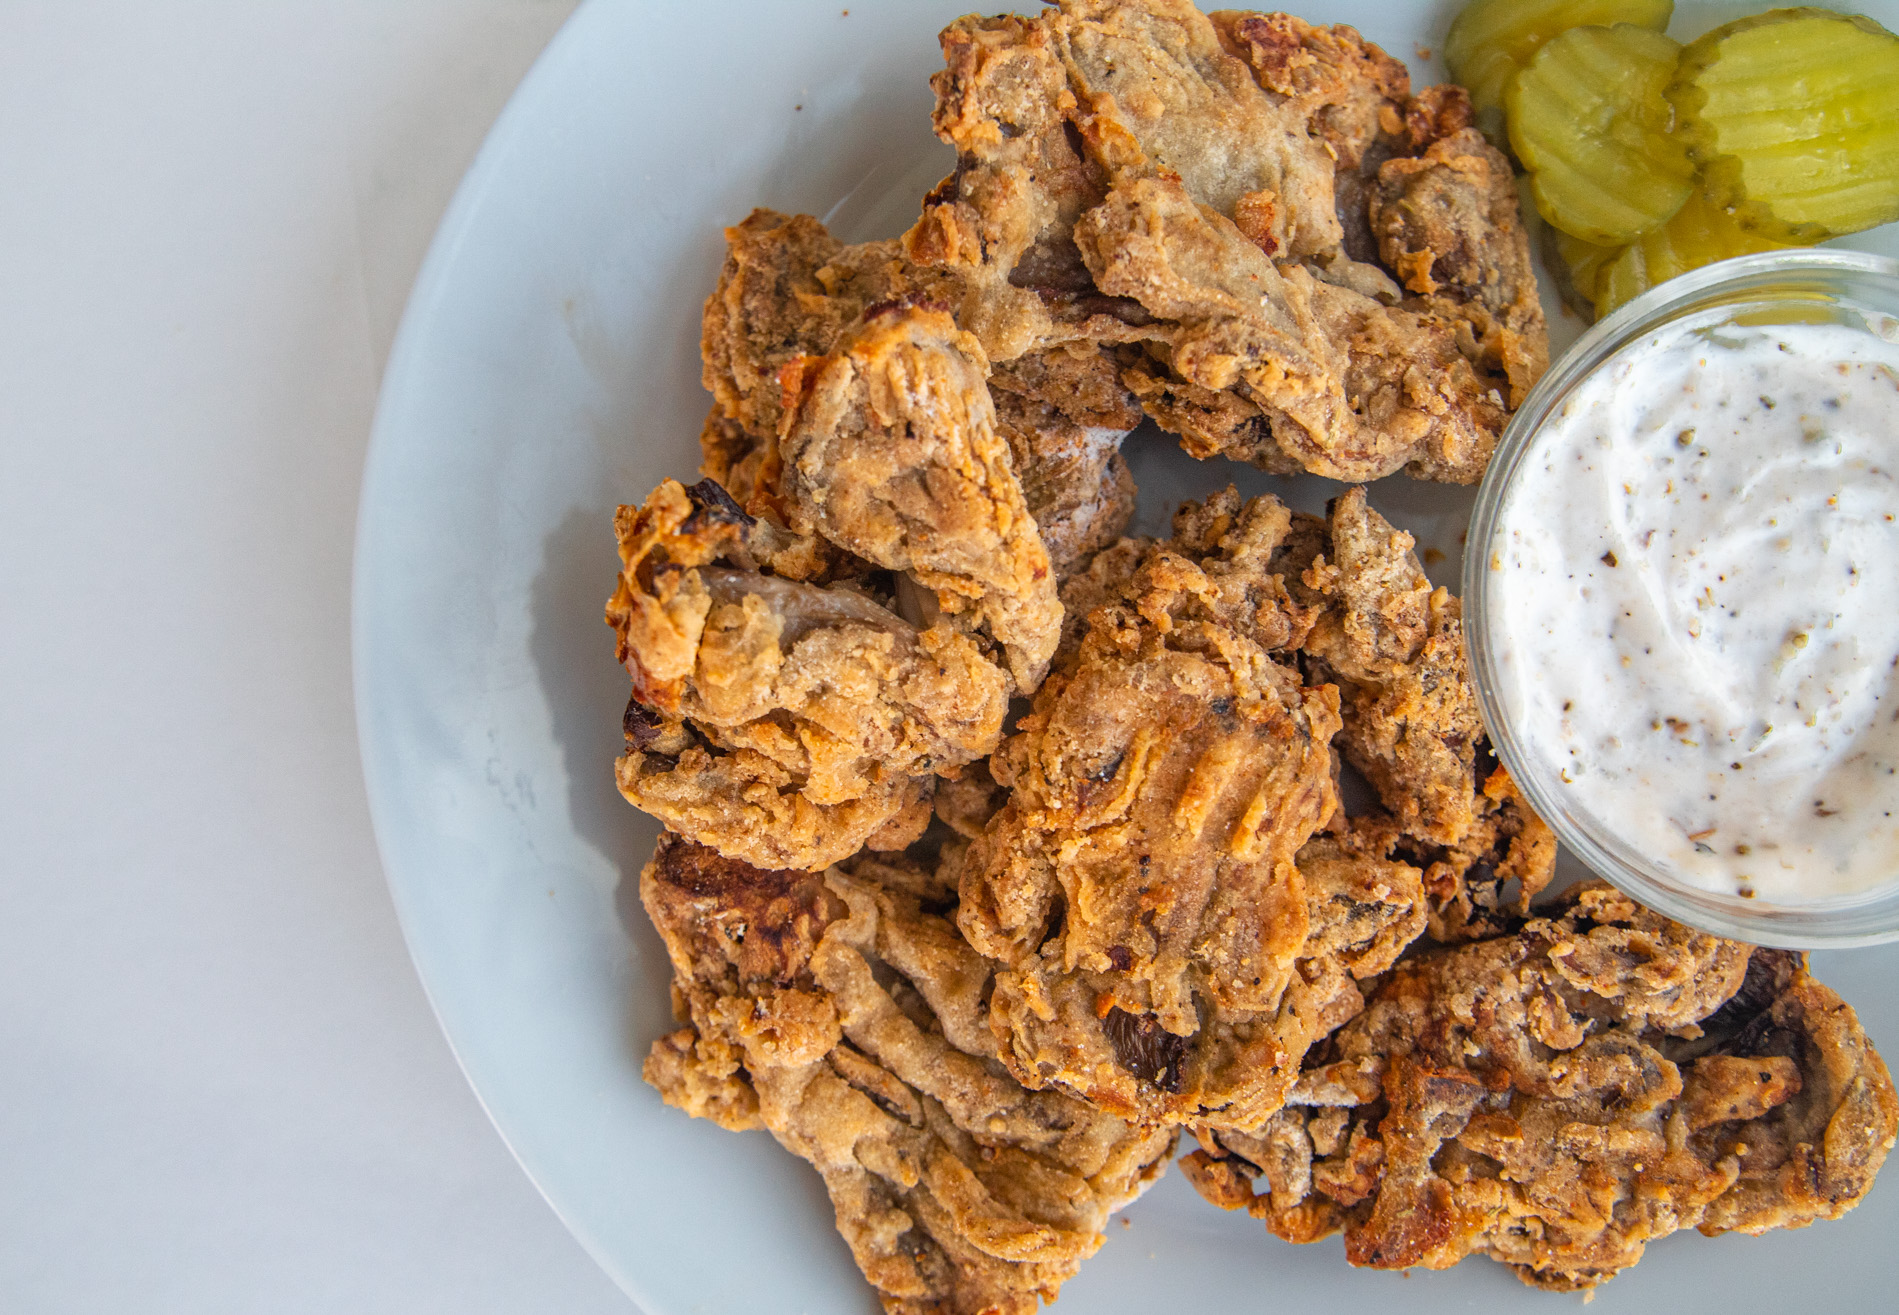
(1441,220)
(1557,1097)
(1139,889)
(1351,96)
(836,1011)
(1064,413)
(1226,195)
(1395,647)
(789,290)
(780,720)
(1482,884)
(890,450)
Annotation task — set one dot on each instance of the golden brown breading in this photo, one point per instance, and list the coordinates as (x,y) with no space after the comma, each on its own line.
(1558,1097)
(781,721)
(1047,113)
(1002,222)
(1447,225)
(890,450)
(1216,191)
(1064,413)
(789,290)
(1139,889)
(1352,97)
(1395,646)
(1481,885)
(832,1010)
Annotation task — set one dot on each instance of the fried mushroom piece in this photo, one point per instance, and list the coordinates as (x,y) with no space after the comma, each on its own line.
(833,1011)
(781,721)
(890,450)
(1557,1097)
(1482,885)
(1065,413)
(789,290)
(1395,647)
(1448,226)
(1139,890)
(1207,192)
(1352,97)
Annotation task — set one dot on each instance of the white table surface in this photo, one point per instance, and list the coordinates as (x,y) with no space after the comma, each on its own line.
(221,1088)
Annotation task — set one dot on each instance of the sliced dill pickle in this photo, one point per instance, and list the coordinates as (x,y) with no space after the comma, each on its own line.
(1624,279)
(1491,39)
(1700,234)
(1584,262)
(1793,116)
(1588,119)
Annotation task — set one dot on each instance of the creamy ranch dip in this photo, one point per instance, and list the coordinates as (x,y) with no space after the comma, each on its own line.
(1695,578)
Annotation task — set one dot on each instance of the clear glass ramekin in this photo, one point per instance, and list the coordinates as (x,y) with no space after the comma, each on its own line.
(1776,287)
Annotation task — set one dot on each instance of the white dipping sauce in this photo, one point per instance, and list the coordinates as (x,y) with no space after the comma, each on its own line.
(1695,606)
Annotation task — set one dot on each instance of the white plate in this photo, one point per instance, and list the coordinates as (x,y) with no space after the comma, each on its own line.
(547,369)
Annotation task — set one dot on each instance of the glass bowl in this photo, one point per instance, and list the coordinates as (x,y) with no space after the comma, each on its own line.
(1782,287)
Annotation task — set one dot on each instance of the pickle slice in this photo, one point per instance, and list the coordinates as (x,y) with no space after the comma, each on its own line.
(1491,39)
(1584,262)
(1794,118)
(1588,119)
(1700,234)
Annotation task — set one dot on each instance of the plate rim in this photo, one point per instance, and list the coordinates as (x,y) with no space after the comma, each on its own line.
(425,296)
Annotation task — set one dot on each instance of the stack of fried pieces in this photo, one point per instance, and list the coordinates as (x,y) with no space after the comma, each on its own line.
(981,980)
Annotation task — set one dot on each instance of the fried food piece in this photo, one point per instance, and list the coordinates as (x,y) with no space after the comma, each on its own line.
(1421,377)
(1395,647)
(890,450)
(1208,193)
(834,1011)
(1351,96)
(1447,225)
(789,291)
(780,720)
(1300,372)
(1138,890)
(1558,1097)
(1065,413)
(1045,111)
